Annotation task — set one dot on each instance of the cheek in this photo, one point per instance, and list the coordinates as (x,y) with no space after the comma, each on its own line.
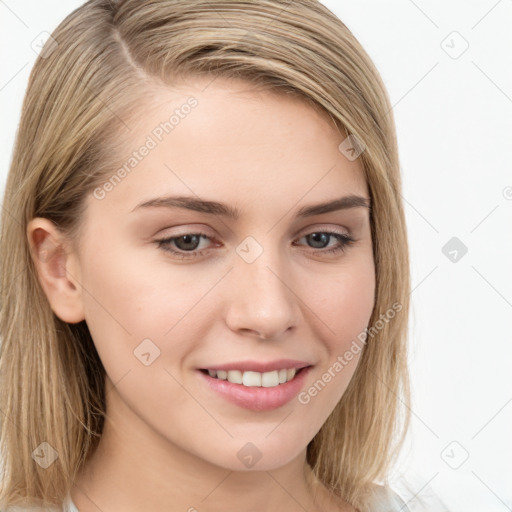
(344,301)
(344,307)
(122,305)
(354,302)
(129,300)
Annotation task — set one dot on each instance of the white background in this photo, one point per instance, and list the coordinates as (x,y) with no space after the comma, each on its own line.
(454,125)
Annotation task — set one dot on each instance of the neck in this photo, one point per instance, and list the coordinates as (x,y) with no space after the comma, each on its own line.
(134,468)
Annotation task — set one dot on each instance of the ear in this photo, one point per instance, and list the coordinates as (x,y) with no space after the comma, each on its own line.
(57,268)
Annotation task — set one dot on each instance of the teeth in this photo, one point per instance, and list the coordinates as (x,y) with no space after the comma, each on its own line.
(255,379)
(270,379)
(235,376)
(251,379)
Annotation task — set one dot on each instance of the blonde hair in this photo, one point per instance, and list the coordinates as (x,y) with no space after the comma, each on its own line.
(82,92)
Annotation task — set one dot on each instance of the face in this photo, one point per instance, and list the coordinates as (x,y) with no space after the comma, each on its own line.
(239,279)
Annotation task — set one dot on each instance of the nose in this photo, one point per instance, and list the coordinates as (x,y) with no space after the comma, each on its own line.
(261,300)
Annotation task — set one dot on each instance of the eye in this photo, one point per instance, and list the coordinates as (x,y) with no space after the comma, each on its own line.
(188,244)
(322,238)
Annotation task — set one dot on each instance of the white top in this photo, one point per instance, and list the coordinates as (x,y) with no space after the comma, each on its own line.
(68,505)
(384,501)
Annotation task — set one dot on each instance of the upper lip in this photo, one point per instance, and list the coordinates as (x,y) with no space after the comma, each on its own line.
(259,366)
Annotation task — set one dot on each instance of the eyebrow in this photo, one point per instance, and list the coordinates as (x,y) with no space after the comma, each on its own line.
(216,208)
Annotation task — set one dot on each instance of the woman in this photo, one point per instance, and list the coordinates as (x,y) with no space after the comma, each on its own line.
(204,265)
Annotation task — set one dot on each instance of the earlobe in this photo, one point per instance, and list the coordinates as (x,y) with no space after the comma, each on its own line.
(57,269)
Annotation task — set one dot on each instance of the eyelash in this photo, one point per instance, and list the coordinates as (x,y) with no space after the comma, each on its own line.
(345,242)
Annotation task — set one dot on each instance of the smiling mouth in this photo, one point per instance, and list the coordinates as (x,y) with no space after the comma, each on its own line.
(255,379)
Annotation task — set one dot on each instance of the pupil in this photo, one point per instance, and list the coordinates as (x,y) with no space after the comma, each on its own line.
(323,238)
(187,239)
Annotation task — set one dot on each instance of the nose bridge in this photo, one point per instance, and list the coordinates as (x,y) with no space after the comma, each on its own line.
(263,301)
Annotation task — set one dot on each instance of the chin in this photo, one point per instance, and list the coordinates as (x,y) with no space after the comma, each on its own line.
(257,455)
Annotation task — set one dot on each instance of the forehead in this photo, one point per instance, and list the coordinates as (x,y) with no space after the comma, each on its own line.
(232,140)
(225,112)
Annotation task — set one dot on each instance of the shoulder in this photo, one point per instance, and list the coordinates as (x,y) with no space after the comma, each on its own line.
(384,499)
(28,508)
(378,498)
(32,508)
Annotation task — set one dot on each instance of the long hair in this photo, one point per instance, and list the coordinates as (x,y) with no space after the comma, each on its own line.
(92,75)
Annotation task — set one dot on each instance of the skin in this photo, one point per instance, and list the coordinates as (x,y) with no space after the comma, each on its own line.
(168,438)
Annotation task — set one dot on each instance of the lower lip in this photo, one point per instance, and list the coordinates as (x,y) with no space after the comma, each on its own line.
(258,398)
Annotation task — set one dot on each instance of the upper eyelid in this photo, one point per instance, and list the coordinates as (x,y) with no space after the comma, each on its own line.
(301,232)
